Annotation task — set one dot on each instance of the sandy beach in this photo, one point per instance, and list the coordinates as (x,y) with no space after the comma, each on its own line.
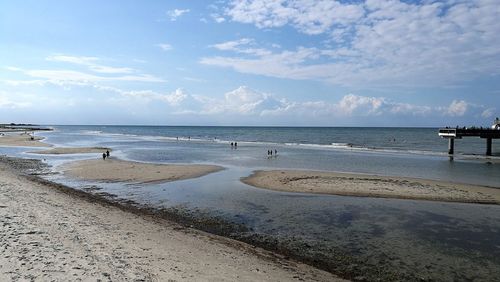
(49,234)
(114,170)
(73,150)
(21,140)
(371,186)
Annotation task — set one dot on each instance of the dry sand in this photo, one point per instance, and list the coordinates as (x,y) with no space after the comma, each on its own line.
(74,150)
(114,170)
(49,235)
(23,140)
(371,186)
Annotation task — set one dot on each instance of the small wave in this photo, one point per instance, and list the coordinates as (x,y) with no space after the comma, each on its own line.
(359,148)
(91,132)
(342,146)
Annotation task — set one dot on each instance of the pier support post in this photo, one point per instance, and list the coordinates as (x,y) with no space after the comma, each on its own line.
(488,146)
(451,146)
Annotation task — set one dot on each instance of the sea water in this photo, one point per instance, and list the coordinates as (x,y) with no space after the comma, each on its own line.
(411,152)
(436,240)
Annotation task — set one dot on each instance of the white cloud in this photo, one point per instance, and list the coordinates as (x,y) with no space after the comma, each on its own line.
(73,59)
(71,77)
(488,113)
(368,105)
(352,105)
(24,82)
(241,46)
(7,103)
(232,45)
(242,101)
(245,101)
(11,68)
(173,99)
(377,42)
(217,18)
(405,108)
(285,64)
(194,79)
(310,17)
(457,108)
(176,97)
(176,13)
(90,62)
(165,46)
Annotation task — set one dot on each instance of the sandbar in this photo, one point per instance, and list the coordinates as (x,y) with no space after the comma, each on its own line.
(22,140)
(49,234)
(72,150)
(115,170)
(348,184)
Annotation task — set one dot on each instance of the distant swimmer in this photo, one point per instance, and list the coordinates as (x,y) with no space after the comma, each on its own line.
(232,145)
(103,156)
(235,145)
(107,153)
(275,152)
(177,138)
(189,137)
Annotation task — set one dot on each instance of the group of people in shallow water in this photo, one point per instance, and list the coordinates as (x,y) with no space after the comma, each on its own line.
(270,153)
(105,155)
(234,145)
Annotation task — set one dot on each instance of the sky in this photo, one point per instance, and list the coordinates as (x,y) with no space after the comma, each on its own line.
(250,62)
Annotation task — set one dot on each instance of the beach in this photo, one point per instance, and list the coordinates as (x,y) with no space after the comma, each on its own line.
(114,170)
(283,210)
(349,184)
(21,140)
(51,233)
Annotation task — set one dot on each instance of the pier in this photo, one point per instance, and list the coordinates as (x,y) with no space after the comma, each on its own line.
(458,133)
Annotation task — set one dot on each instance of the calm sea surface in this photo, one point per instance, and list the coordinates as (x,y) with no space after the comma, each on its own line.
(420,239)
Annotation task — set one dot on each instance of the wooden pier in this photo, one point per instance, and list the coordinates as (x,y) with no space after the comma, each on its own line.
(457,133)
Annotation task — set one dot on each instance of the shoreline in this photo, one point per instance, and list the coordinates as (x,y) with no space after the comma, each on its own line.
(72,150)
(365,185)
(22,140)
(236,259)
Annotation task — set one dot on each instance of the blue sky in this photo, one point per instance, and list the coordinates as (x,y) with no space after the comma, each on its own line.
(261,62)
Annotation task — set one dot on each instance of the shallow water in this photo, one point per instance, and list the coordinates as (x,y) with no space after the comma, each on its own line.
(417,239)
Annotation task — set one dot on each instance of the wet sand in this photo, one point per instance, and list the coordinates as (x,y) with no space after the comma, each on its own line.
(21,140)
(72,150)
(49,234)
(371,186)
(114,170)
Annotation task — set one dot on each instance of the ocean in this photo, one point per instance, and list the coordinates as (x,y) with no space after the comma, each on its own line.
(412,152)
(415,239)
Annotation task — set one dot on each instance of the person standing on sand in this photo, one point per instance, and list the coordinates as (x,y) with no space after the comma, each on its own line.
(103,156)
